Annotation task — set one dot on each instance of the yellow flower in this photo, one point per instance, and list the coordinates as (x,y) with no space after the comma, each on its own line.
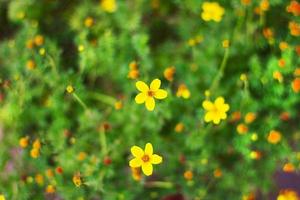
(2,197)
(287,195)
(250,117)
(274,137)
(39,179)
(118,105)
(179,127)
(212,11)
(35,153)
(215,111)
(23,142)
(88,22)
(70,89)
(169,73)
(77,180)
(39,40)
(50,189)
(136,173)
(109,5)
(225,43)
(183,91)
(147,94)
(36,144)
(188,175)
(144,158)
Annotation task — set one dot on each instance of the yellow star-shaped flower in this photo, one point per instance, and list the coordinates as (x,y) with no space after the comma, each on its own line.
(215,111)
(144,158)
(212,11)
(147,94)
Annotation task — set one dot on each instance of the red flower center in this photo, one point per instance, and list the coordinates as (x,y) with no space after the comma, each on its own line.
(145,158)
(150,93)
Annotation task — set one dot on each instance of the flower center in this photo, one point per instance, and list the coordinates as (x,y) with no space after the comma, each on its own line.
(145,158)
(150,93)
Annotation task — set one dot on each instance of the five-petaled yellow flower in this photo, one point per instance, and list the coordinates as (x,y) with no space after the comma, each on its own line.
(148,94)
(144,158)
(215,111)
(212,11)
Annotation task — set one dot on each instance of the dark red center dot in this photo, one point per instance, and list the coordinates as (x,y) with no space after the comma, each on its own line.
(150,93)
(145,158)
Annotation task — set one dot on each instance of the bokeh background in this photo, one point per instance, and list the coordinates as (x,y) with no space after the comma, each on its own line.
(69,118)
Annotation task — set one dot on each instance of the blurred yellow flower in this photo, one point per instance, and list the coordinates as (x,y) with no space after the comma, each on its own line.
(294,28)
(287,195)
(169,73)
(147,94)
(35,153)
(36,144)
(136,173)
(39,40)
(23,142)
(215,111)
(250,117)
(50,189)
(88,22)
(242,129)
(183,91)
(179,127)
(39,179)
(77,179)
(70,89)
(264,5)
(2,197)
(212,11)
(288,167)
(274,137)
(109,5)
(225,43)
(133,70)
(283,46)
(30,64)
(118,105)
(188,175)
(144,158)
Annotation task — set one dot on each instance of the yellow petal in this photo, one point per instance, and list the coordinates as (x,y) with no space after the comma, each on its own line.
(219,102)
(147,168)
(156,159)
(140,98)
(136,162)
(137,151)
(161,94)
(142,86)
(149,149)
(150,103)
(208,117)
(155,85)
(216,120)
(208,105)
(224,107)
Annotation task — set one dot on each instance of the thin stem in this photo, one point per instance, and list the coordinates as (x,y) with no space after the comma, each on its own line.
(160,184)
(102,138)
(220,71)
(103,98)
(79,101)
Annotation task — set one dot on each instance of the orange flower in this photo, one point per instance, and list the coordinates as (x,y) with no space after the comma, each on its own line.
(288,167)
(136,173)
(218,173)
(281,62)
(23,142)
(38,40)
(118,105)
(50,189)
(179,127)
(296,85)
(297,72)
(30,44)
(278,76)
(39,179)
(256,155)
(268,33)
(169,73)
(274,137)
(246,2)
(183,91)
(30,64)
(297,48)
(294,29)
(81,156)
(35,153)
(264,5)
(242,129)
(88,22)
(283,46)
(284,116)
(235,116)
(294,8)
(133,70)
(188,175)
(250,117)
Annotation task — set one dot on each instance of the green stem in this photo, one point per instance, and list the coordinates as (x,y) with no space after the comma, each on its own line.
(220,71)
(103,98)
(160,184)
(102,138)
(80,101)
(52,64)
